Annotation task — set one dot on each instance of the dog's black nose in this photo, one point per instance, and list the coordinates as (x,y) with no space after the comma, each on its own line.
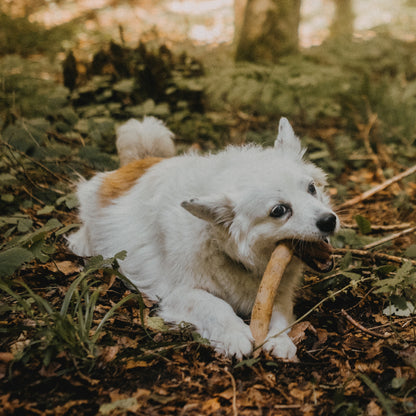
(327,223)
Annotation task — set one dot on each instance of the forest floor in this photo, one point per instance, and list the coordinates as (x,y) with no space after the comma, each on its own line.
(352,357)
(75,341)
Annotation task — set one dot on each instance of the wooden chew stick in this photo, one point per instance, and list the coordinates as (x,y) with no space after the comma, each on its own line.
(263,305)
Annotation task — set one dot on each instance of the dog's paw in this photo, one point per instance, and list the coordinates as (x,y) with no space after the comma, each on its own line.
(280,347)
(237,341)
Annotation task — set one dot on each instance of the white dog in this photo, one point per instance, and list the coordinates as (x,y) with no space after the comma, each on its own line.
(199,230)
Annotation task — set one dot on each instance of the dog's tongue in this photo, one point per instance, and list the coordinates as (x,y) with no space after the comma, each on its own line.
(317,254)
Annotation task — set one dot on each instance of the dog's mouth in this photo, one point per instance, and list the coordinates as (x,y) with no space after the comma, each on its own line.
(316,254)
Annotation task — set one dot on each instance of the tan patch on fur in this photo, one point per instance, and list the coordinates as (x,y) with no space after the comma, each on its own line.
(121,180)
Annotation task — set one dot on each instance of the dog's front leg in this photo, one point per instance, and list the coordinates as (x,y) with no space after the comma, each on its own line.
(281,346)
(213,318)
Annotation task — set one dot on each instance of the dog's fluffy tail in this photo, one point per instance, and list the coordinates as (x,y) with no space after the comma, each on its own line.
(137,140)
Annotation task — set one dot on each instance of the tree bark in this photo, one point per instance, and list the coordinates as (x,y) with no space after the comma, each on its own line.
(239,11)
(343,21)
(269,30)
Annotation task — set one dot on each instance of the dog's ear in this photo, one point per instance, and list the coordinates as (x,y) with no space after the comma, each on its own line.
(216,209)
(287,140)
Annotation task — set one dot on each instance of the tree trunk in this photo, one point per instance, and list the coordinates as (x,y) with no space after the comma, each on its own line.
(239,11)
(269,30)
(343,21)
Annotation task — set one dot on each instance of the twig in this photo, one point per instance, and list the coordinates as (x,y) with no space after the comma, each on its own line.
(372,256)
(389,238)
(234,386)
(65,139)
(322,301)
(33,196)
(381,228)
(287,406)
(362,299)
(396,321)
(378,188)
(361,327)
(12,148)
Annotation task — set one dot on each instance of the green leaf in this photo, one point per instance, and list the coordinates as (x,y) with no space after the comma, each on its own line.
(7,198)
(364,224)
(247,363)
(66,229)
(399,301)
(411,251)
(398,382)
(385,270)
(157,324)
(350,238)
(70,200)
(405,270)
(41,250)
(200,339)
(24,225)
(346,261)
(47,209)
(7,179)
(394,310)
(125,86)
(12,259)
(351,275)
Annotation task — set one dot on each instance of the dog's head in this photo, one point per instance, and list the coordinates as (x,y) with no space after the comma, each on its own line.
(269,195)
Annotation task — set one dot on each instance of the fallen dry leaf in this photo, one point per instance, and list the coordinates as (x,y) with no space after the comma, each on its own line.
(298,331)
(6,357)
(211,405)
(66,267)
(373,409)
(108,354)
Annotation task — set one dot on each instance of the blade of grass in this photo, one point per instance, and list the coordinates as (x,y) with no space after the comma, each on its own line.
(89,312)
(38,299)
(385,403)
(69,294)
(21,301)
(111,312)
(142,306)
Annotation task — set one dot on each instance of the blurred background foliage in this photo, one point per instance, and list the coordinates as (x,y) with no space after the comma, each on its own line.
(331,81)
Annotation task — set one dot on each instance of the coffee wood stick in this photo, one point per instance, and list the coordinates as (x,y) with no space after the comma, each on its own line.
(263,305)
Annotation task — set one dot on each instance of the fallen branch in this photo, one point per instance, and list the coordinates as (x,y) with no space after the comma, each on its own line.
(378,188)
(361,327)
(389,238)
(373,256)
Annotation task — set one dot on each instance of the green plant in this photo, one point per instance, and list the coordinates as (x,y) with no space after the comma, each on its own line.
(399,285)
(71,328)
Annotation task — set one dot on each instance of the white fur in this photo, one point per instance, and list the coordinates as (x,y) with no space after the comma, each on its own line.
(198,235)
(137,140)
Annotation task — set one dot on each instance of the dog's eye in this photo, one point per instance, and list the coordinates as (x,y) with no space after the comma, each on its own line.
(279,210)
(312,188)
